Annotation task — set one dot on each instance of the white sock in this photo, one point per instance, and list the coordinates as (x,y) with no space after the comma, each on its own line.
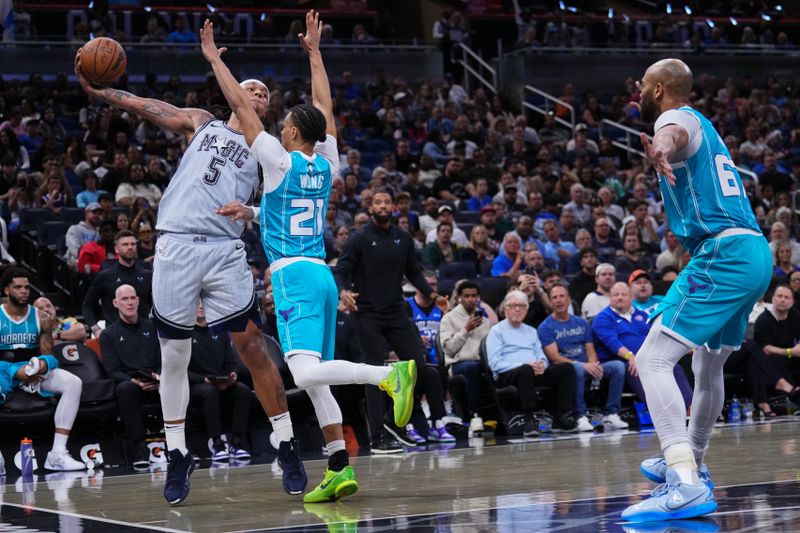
(60,443)
(335,446)
(176,437)
(282,426)
(439,424)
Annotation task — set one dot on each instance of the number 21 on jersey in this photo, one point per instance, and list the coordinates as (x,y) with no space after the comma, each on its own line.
(311,209)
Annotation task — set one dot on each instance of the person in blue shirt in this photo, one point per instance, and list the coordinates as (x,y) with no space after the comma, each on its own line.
(510,261)
(619,331)
(553,247)
(516,358)
(568,339)
(707,307)
(480,195)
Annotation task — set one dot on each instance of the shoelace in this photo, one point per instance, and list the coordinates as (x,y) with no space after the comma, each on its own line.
(174,473)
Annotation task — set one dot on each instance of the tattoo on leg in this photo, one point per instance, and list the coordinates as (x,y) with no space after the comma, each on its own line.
(280,398)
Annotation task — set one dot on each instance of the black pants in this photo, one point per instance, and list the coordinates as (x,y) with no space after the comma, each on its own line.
(130,397)
(375,332)
(560,376)
(761,371)
(236,397)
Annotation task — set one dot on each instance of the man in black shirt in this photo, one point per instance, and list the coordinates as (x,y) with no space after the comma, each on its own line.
(132,356)
(372,264)
(103,289)
(777,331)
(213,379)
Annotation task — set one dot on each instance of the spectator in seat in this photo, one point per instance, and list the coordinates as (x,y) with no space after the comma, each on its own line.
(538,301)
(136,187)
(614,212)
(445,214)
(783,260)
(102,291)
(555,249)
(213,383)
(619,331)
(90,193)
(354,167)
(671,255)
(460,333)
(584,282)
(646,224)
(516,358)
(642,292)
(510,261)
(132,357)
(577,204)
(47,380)
(481,247)
(442,250)
(427,317)
(93,254)
(778,233)
(480,195)
(83,232)
(777,332)
(632,257)
(794,286)
(567,338)
(67,329)
(145,242)
(605,243)
(595,301)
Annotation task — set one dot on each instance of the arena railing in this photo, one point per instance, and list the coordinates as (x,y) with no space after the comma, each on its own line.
(475,67)
(548,106)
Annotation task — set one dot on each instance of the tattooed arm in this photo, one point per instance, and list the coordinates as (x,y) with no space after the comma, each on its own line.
(180,121)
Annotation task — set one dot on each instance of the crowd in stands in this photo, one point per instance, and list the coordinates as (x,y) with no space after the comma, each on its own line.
(553,242)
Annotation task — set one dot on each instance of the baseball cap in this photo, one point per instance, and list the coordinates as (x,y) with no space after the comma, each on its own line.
(444,208)
(636,274)
(510,186)
(487,208)
(581,126)
(93,206)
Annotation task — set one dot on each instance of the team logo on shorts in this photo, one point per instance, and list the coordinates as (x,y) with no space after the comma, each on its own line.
(694,286)
(285,313)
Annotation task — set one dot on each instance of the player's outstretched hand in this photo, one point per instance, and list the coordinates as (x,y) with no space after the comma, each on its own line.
(235,210)
(207,44)
(658,159)
(310,40)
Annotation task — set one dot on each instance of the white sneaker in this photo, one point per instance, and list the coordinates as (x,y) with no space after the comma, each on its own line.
(584,424)
(62,461)
(476,424)
(615,421)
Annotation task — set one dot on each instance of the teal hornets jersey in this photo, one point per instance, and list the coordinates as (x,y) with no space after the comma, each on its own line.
(295,199)
(708,196)
(19,335)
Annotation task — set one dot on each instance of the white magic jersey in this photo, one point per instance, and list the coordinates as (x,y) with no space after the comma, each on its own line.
(216,169)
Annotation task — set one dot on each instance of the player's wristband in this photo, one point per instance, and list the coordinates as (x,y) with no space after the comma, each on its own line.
(789,353)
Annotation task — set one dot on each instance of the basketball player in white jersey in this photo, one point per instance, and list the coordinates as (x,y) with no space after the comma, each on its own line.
(200,256)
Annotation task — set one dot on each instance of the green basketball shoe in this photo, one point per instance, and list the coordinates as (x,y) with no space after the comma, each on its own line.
(399,384)
(335,486)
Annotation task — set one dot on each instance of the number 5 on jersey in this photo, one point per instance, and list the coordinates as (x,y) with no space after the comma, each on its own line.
(311,209)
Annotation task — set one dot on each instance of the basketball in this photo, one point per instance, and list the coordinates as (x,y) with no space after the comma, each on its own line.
(103,60)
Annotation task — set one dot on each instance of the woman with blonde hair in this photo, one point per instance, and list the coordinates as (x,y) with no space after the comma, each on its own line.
(480,247)
(783,265)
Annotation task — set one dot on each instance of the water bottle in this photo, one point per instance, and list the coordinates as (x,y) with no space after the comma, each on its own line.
(2,465)
(747,411)
(734,411)
(26,457)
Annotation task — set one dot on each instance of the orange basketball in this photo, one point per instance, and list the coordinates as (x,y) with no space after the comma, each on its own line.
(103,60)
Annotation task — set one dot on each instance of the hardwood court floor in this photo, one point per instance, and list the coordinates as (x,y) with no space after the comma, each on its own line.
(578,483)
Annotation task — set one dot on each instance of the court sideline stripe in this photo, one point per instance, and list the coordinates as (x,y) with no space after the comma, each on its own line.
(96,518)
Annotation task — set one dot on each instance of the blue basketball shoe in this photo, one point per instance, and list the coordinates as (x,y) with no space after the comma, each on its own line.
(672,500)
(655,469)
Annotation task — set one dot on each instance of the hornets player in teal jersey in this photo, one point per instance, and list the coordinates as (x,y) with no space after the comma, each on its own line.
(706,308)
(298,173)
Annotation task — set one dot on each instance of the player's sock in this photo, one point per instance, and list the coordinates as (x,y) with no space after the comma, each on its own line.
(439,424)
(680,458)
(337,455)
(282,426)
(60,442)
(176,437)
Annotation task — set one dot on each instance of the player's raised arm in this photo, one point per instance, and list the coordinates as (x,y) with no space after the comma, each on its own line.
(235,95)
(167,116)
(320,87)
